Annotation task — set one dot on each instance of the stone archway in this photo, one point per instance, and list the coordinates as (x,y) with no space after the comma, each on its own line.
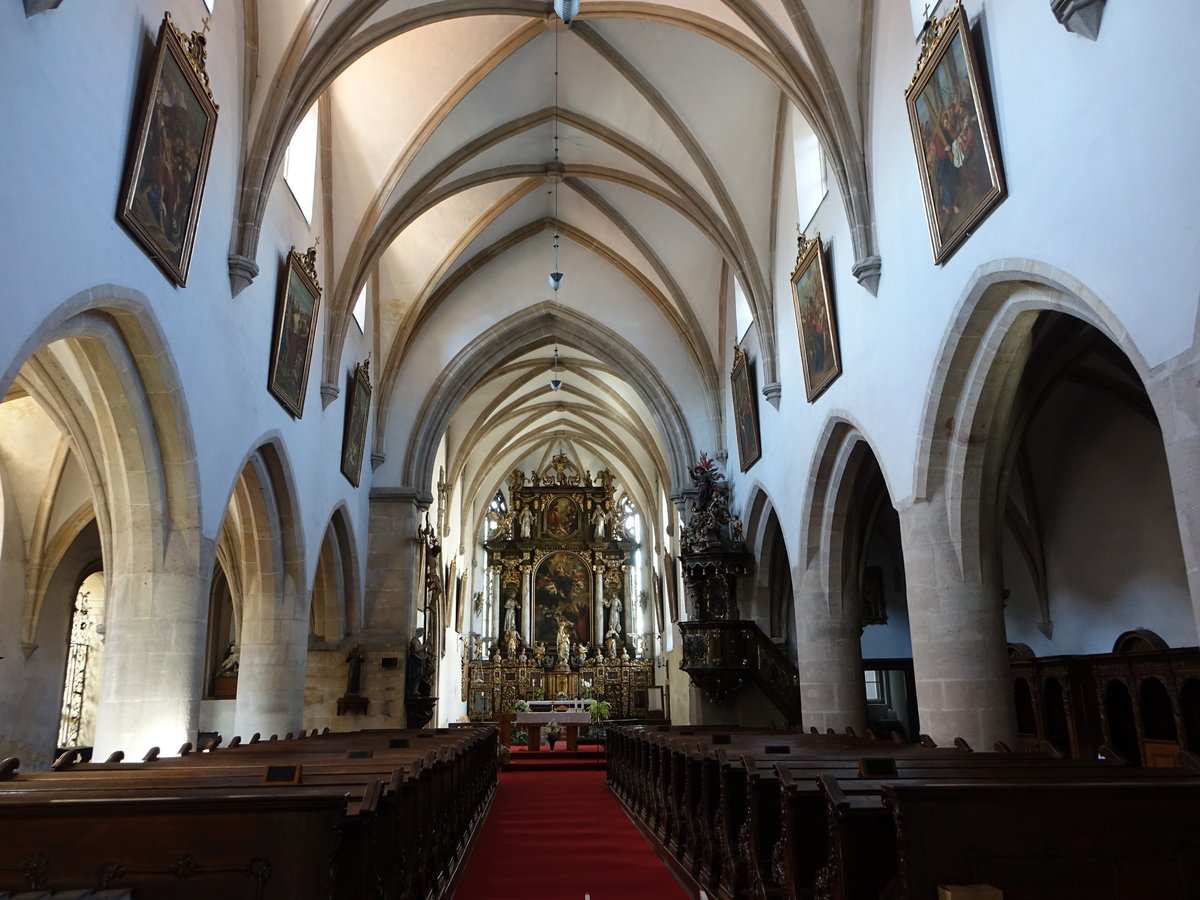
(98,370)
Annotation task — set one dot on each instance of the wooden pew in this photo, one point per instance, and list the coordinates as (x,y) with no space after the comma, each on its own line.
(1115,838)
(407,811)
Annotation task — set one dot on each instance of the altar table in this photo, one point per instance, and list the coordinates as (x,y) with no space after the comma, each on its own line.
(570,721)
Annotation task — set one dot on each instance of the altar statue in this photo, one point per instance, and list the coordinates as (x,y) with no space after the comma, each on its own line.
(564,640)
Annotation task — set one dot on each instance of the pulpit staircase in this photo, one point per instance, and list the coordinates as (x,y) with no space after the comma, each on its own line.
(721,655)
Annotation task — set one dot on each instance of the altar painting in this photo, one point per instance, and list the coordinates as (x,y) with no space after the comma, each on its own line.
(562,518)
(562,591)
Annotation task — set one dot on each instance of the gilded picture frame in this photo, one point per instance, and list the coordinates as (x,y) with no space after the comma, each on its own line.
(954,135)
(295,330)
(358,411)
(169,152)
(816,325)
(745,409)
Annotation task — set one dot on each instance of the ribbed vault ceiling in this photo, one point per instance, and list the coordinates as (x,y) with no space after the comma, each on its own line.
(440,191)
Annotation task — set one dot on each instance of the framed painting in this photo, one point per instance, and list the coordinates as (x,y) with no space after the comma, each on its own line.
(562,594)
(745,409)
(562,518)
(295,327)
(954,136)
(819,351)
(169,153)
(358,410)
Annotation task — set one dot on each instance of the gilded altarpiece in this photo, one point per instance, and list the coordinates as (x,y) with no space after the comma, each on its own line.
(562,560)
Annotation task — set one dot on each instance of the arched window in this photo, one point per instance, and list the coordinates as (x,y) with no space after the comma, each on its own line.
(496,511)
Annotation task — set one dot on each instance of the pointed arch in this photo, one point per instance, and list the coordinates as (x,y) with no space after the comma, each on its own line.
(529,329)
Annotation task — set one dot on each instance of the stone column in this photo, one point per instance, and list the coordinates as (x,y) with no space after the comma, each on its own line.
(829,649)
(956,617)
(155,638)
(526,620)
(598,608)
(629,600)
(491,621)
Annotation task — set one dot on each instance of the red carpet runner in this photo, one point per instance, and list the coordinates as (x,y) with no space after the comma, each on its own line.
(558,835)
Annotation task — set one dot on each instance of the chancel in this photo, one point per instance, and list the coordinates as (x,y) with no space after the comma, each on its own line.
(422,422)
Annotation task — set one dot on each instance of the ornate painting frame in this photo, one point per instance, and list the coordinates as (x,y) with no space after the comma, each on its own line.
(954,135)
(168,157)
(358,411)
(816,325)
(745,409)
(295,330)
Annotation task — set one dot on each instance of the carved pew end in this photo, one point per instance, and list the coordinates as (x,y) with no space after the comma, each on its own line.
(186,748)
(151,755)
(9,767)
(927,741)
(116,756)
(255,738)
(962,745)
(1001,747)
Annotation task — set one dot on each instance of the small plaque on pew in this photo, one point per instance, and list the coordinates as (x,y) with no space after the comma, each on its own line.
(722,739)
(876,767)
(969,892)
(777,748)
(359,754)
(398,743)
(281,774)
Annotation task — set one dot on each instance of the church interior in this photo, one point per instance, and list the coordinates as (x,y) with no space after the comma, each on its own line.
(721,384)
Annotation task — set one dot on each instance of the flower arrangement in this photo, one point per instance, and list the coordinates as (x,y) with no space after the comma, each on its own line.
(553,731)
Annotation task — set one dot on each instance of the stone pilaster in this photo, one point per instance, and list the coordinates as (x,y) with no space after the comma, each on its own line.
(393,561)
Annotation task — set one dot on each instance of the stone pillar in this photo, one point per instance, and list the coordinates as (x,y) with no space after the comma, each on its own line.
(394,579)
(274,656)
(829,649)
(1178,407)
(155,638)
(956,617)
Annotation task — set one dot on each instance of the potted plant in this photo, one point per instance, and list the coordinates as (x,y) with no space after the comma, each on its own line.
(553,732)
(600,710)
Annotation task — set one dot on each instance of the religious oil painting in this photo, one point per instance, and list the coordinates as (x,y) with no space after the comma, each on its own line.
(957,153)
(169,153)
(562,518)
(562,598)
(745,409)
(819,351)
(358,409)
(295,326)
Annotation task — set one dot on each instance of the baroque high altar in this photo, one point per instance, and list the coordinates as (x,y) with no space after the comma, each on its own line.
(561,566)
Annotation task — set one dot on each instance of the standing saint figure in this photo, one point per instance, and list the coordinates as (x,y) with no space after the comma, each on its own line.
(614,614)
(564,639)
(510,611)
(599,521)
(526,522)
(354,676)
